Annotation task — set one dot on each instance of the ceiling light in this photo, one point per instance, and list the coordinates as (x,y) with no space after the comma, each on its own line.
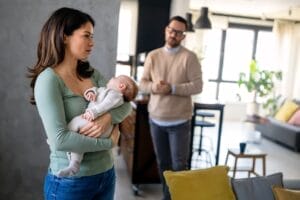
(203,21)
(190,27)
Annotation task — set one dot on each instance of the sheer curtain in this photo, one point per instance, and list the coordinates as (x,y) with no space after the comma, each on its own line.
(296,92)
(288,57)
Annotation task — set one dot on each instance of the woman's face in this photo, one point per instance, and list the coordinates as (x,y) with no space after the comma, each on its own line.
(79,45)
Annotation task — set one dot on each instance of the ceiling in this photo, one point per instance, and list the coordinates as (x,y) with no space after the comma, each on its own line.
(264,9)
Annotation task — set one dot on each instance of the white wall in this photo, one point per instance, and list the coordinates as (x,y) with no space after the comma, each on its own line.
(235,111)
(179,7)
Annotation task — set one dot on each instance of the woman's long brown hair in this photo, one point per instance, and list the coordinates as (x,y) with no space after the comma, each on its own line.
(51,48)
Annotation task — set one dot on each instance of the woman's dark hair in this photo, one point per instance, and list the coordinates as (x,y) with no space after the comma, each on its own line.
(51,48)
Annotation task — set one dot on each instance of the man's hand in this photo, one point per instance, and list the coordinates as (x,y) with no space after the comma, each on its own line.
(162,87)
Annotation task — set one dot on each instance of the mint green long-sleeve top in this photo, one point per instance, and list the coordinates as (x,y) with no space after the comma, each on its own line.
(57,105)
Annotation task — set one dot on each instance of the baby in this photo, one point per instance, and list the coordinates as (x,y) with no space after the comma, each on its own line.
(118,90)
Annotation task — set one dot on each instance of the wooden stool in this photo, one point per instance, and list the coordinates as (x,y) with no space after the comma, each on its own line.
(255,154)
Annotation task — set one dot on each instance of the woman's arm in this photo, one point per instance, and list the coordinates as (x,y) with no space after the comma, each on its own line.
(120,113)
(49,100)
(101,124)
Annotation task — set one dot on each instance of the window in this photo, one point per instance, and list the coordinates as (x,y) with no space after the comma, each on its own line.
(229,52)
(126,37)
(238,52)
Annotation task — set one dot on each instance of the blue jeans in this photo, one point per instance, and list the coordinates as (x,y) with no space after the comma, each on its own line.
(171,146)
(96,187)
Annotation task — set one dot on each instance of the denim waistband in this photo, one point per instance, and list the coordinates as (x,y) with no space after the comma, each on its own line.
(51,174)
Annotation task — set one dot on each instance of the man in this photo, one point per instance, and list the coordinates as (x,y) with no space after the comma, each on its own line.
(171,75)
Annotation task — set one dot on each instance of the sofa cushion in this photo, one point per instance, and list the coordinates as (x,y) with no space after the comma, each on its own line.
(258,188)
(295,119)
(209,184)
(286,111)
(285,194)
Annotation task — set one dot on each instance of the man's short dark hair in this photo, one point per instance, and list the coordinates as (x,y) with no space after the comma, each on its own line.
(179,19)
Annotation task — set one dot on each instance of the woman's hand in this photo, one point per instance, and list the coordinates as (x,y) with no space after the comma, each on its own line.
(115,135)
(97,127)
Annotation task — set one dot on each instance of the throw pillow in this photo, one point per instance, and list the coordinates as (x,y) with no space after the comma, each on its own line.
(258,188)
(285,194)
(207,184)
(295,119)
(286,111)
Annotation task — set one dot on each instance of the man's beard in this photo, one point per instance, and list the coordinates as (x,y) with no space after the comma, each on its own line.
(172,42)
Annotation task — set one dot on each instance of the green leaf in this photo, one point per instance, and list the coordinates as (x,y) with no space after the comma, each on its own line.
(261,82)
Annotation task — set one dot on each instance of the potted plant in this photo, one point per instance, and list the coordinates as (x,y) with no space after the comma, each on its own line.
(260,83)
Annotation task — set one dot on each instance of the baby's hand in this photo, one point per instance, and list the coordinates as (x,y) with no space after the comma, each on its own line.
(90,96)
(88,115)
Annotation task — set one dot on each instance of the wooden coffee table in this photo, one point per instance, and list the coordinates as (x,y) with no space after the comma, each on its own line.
(251,154)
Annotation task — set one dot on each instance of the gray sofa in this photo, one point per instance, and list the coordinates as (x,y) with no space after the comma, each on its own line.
(260,188)
(280,132)
(292,184)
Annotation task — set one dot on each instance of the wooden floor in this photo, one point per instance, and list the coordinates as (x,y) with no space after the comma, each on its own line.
(279,159)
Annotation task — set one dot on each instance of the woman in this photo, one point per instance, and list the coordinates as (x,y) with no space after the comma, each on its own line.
(59,79)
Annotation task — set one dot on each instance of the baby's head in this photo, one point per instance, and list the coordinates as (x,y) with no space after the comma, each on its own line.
(125,85)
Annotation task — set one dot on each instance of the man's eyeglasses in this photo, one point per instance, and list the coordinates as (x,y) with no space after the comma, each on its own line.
(177,32)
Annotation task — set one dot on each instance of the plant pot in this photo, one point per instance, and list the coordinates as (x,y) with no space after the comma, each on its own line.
(252,108)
